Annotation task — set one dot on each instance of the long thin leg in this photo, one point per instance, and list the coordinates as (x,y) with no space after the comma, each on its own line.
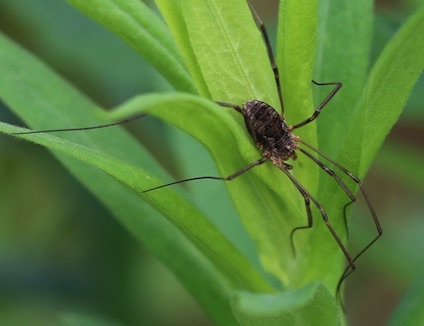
(356,180)
(336,178)
(230,105)
(82,128)
(270,55)
(377,224)
(229,178)
(332,174)
(305,195)
(310,221)
(348,269)
(336,88)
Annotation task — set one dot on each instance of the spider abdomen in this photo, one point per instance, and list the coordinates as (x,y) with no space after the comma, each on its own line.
(269,130)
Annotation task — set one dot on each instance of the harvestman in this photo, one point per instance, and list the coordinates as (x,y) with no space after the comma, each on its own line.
(274,138)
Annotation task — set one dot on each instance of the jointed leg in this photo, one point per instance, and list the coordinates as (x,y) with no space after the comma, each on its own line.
(349,270)
(336,88)
(308,197)
(361,186)
(229,105)
(337,179)
(230,177)
(270,55)
(82,128)
(310,221)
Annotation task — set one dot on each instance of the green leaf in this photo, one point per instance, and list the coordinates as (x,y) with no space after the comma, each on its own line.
(342,25)
(226,57)
(233,41)
(269,206)
(384,96)
(390,84)
(235,66)
(137,25)
(235,74)
(173,14)
(383,99)
(296,56)
(271,191)
(343,49)
(43,100)
(249,192)
(311,305)
(374,114)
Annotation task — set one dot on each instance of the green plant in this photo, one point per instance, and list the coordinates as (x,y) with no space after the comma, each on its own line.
(217,52)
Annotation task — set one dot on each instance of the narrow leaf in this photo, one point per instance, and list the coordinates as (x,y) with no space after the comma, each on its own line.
(296,55)
(172,12)
(343,50)
(229,50)
(390,84)
(137,25)
(311,305)
(44,100)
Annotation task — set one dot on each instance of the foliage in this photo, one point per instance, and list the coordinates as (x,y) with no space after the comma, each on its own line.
(213,50)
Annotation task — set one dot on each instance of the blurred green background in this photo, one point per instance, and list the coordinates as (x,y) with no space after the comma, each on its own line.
(61,252)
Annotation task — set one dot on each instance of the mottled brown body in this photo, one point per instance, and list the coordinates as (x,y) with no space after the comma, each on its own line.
(269,131)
